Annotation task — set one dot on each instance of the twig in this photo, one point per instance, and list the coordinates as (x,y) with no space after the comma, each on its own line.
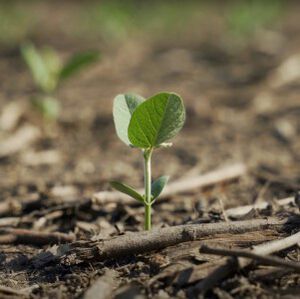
(232,264)
(25,236)
(269,260)
(243,210)
(10,221)
(18,206)
(276,179)
(221,203)
(143,242)
(11,291)
(21,293)
(182,185)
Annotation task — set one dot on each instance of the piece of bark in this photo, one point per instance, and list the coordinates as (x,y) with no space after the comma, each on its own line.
(182,275)
(11,114)
(286,73)
(10,221)
(243,210)
(284,180)
(25,236)
(20,140)
(103,287)
(47,157)
(191,249)
(268,274)
(267,260)
(230,265)
(182,185)
(143,242)
(17,206)
(7,291)
(130,291)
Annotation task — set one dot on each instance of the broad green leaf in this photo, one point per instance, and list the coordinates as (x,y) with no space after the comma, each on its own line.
(77,62)
(37,66)
(156,120)
(124,106)
(127,190)
(158,186)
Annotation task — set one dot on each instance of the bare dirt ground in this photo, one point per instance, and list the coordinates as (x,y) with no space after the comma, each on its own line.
(242,107)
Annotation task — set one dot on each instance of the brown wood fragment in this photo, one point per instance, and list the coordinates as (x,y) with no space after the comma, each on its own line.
(7,292)
(25,236)
(243,210)
(11,115)
(230,265)
(21,139)
(187,273)
(142,242)
(17,206)
(268,260)
(103,287)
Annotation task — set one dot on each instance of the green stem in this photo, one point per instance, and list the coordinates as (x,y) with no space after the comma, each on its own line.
(148,209)
(147,176)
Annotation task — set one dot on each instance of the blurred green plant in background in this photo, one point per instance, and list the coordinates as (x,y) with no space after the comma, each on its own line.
(118,19)
(48,72)
(16,23)
(244,18)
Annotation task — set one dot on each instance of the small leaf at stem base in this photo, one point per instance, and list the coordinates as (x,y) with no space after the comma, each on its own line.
(158,186)
(127,190)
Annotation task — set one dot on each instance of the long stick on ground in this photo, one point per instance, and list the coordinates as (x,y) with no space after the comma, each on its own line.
(232,264)
(143,242)
(25,236)
(268,260)
(182,185)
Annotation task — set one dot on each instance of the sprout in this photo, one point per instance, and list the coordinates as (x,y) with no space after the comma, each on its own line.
(147,124)
(48,72)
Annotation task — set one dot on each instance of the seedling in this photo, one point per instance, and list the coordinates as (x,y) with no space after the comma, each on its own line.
(147,124)
(49,72)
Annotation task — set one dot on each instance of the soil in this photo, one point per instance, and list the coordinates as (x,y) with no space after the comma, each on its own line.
(239,109)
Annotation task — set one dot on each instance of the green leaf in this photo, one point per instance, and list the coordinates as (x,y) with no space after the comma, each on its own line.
(124,106)
(127,190)
(39,70)
(52,61)
(77,62)
(158,186)
(156,120)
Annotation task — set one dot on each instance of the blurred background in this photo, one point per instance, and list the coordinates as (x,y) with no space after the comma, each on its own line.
(235,63)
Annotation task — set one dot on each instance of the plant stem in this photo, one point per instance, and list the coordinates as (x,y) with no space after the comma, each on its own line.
(147,177)
(148,211)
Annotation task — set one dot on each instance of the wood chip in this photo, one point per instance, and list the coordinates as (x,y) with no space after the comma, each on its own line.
(103,287)
(20,140)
